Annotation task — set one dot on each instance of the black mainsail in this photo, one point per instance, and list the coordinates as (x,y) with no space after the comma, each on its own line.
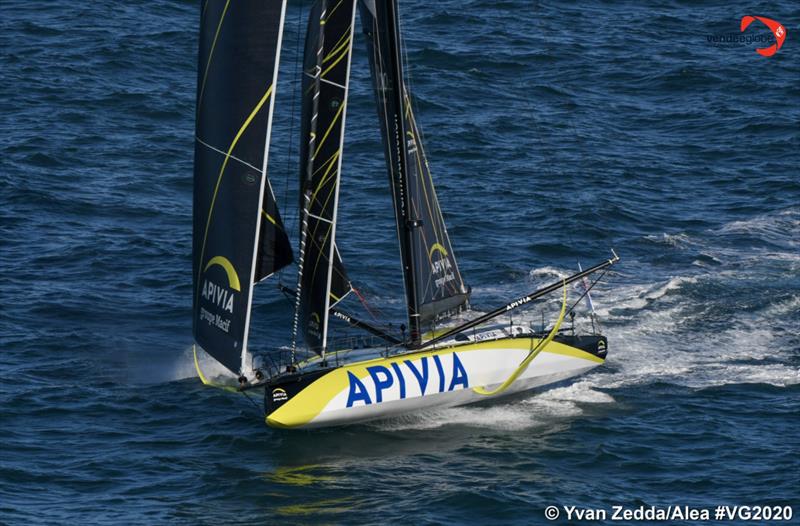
(322,280)
(238,234)
(433,283)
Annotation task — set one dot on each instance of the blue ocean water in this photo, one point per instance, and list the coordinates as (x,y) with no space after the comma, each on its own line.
(554,132)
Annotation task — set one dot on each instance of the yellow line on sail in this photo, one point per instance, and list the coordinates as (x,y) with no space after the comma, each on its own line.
(316,227)
(330,13)
(343,54)
(269,217)
(337,48)
(423,174)
(325,164)
(211,53)
(222,171)
(533,354)
(328,131)
(326,176)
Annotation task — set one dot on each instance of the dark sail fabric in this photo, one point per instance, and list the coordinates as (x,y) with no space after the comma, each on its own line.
(274,248)
(440,287)
(238,56)
(326,68)
(433,282)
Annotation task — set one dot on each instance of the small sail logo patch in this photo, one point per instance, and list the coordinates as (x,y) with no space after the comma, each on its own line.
(279,395)
(441,267)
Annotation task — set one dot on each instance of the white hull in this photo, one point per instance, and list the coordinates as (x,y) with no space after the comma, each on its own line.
(406,383)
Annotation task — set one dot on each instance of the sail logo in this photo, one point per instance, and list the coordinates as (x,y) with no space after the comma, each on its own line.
(778,31)
(279,395)
(442,268)
(411,144)
(404,375)
(517,303)
(221,297)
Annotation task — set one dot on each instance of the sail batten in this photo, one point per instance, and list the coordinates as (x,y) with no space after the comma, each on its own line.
(238,234)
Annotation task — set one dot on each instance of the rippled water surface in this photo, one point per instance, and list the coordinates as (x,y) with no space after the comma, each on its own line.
(554,133)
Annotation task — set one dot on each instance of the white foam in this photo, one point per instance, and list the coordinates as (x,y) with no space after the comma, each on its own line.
(212,369)
(654,343)
(513,416)
(673,284)
(789,307)
(542,410)
(548,273)
(783,225)
(673,240)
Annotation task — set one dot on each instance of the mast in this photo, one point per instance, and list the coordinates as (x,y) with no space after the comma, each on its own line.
(381,27)
(232,246)
(409,221)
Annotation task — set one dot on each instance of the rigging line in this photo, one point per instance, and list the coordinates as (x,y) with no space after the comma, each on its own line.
(328,131)
(330,14)
(590,287)
(364,302)
(255,404)
(201,141)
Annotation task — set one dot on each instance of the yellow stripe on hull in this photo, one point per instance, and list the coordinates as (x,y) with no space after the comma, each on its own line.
(445,377)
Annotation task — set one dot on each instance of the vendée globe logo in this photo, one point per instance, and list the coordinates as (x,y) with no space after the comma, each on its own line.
(777,30)
(772,41)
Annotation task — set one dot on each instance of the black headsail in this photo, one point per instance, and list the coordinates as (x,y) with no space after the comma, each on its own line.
(238,234)
(432,280)
(322,280)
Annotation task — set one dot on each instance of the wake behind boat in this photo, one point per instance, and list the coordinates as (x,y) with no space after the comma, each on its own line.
(240,240)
